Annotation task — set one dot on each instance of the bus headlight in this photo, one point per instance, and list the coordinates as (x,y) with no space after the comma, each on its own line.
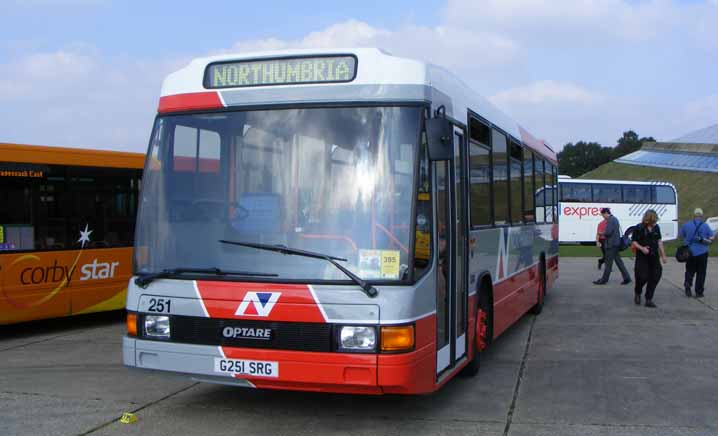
(157,326)
(357,338)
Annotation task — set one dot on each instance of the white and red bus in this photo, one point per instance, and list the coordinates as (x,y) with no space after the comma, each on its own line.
(334,220)
(581,201)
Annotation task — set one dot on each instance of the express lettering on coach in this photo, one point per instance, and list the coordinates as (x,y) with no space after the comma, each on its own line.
(581,211)
(56,273)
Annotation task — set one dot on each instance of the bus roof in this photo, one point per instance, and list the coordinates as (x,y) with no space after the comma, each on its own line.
(614,182)
(380,77)
(37,154)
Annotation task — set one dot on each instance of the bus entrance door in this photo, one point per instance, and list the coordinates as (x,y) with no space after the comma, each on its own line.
(451,296)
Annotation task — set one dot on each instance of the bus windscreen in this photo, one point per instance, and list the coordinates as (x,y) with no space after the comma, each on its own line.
(331,180)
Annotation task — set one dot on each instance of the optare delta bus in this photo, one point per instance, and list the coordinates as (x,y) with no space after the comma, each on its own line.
(338,221)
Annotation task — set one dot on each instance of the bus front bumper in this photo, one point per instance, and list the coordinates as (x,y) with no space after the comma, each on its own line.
(408,373)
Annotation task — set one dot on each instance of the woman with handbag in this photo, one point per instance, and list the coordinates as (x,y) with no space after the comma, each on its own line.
(650,254)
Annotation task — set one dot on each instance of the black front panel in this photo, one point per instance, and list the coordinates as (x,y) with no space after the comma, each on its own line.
(299,336)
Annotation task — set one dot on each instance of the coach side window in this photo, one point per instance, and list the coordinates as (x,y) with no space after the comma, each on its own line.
(576,192)
(636,194)
(605,193)
(555,194)
(480,173)
(550,193)
(501,180)
(665,195)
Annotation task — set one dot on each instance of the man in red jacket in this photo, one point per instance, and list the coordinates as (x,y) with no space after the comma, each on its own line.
(601,242)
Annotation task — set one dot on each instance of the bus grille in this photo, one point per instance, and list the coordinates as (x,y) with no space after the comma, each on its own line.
(298,336)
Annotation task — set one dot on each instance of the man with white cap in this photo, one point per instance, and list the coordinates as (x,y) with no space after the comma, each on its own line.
(697,235)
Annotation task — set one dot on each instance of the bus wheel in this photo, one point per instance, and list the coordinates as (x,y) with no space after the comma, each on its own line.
(538,307)
(483,335)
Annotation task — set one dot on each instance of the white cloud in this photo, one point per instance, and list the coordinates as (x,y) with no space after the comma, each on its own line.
(449,46)
(594,20)
(49,72)
(696,114)
(544,92)
(80,98)
(61,4)
(551,64)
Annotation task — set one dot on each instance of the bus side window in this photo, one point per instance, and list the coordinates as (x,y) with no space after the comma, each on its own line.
(480,173)
(516,180)
(104,199)
(501,179)
(422,247)
(540,190)
(18,223)
(529,186)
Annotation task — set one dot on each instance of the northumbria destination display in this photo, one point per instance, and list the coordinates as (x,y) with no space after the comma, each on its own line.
(285,71)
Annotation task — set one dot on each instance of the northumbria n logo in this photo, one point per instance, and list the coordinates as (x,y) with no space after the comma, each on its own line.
(257,303)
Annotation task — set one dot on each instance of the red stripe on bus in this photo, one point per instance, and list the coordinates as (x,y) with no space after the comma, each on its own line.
(190,101)
(259,301)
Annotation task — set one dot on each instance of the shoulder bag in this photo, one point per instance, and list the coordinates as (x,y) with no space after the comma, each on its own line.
(683,253)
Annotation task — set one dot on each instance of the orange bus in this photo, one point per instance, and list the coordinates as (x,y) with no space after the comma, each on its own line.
(67,225)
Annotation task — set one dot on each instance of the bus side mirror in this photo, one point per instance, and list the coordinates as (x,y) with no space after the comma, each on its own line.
(438,138)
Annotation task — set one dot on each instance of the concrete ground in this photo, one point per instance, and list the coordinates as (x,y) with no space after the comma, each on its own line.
(592,364)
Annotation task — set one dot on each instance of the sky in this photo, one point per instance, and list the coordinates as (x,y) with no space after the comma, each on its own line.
(87,73)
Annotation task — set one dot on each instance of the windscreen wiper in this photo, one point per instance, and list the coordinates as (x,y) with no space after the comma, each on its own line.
(366,287)
(144,280)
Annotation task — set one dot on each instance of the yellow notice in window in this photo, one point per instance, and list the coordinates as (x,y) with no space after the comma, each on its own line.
(2,234)
(422,245)
(390,264)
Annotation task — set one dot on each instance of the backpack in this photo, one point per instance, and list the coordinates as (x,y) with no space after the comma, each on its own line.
(626,238)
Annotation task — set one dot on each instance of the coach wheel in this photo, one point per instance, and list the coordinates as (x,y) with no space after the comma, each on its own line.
(538,307)
(483,333)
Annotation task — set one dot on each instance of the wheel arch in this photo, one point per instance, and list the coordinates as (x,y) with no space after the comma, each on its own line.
(485,289)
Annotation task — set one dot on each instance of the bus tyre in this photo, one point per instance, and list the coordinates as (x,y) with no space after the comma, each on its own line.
(538,307)
(482,335)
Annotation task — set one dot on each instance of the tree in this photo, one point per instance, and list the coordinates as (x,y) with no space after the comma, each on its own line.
(628,143)
(582,157)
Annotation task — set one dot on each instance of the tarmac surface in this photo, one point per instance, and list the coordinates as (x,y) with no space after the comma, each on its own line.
(592,363)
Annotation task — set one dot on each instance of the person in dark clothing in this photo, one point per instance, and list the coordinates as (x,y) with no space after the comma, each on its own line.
(647,241)
(697,235)
(612,233)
